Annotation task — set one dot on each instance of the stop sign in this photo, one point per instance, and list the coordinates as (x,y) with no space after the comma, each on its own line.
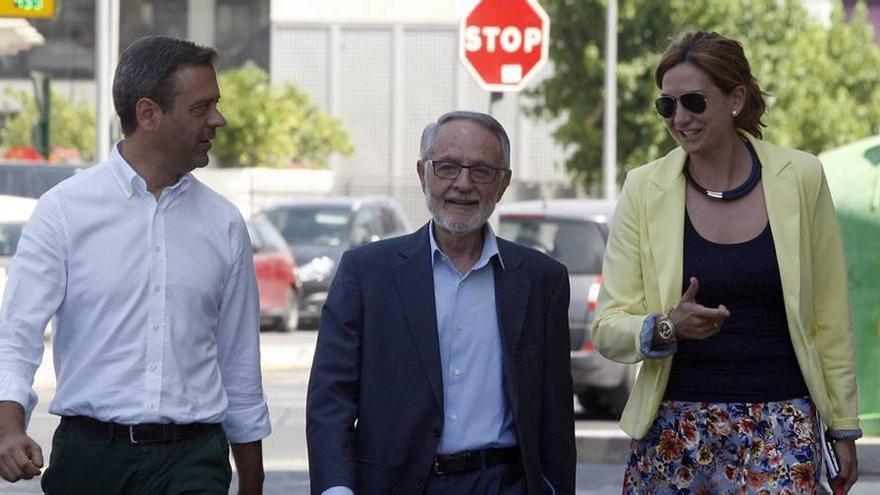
(504,42)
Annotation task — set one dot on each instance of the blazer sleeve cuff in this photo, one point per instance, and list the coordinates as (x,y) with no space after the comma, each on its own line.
(646,337)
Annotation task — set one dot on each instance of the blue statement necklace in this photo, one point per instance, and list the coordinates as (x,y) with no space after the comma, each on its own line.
(738,191)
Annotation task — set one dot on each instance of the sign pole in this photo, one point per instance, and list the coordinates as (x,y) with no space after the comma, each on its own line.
(494,97)
(609,119)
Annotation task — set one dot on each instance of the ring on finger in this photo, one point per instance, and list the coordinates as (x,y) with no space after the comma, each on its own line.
(717,326)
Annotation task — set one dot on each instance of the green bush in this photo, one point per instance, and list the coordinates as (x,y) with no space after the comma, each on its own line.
(71,125)
(273,126)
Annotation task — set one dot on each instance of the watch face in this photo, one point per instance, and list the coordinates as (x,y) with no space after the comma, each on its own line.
(665,329)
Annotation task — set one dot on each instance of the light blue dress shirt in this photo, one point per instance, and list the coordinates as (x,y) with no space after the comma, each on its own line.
(476,412)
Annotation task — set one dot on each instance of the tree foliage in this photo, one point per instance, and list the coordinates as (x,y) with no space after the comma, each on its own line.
(822,79)
(272,126)
(71,125)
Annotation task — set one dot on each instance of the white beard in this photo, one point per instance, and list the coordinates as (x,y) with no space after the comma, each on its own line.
(459,227)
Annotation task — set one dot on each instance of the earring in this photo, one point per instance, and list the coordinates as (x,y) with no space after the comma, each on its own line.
(734,113)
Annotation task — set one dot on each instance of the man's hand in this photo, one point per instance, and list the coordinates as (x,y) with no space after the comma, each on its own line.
(849,467)
(20,457)
(249,463)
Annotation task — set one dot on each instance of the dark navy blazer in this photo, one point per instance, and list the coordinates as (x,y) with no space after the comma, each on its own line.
(375,395)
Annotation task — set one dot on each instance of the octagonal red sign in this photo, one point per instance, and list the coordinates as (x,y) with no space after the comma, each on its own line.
(503,43)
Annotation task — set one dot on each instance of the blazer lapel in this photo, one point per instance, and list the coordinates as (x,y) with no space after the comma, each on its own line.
(781,195)
(665,204)
(511,296)
(512,287)
(415,284)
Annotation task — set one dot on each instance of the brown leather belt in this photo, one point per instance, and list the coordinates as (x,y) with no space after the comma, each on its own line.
(474,460)
(140,433)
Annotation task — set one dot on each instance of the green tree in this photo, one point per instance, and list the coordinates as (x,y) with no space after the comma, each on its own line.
(71,125)
(272,126)
(822,79)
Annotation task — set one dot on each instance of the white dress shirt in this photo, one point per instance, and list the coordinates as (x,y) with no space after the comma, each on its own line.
(155,304)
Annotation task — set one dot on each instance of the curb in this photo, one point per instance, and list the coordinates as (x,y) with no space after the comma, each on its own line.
(612,446)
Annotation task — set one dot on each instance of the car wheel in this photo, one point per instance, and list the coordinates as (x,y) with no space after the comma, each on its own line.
(290,321)
(604,403)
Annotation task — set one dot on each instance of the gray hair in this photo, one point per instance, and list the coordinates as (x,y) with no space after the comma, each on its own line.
(146,70)
(482,119)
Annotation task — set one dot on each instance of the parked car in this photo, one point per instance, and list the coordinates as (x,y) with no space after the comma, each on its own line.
(14,213)
(280,289)
(31,180)
(319,230)
(574,232)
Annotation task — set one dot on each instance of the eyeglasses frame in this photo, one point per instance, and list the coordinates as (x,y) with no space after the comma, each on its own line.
(495,170)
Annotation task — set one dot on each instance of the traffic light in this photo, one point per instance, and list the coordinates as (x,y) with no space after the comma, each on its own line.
(40,135)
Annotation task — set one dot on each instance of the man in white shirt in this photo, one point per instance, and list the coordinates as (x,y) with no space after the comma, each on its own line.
(149,276)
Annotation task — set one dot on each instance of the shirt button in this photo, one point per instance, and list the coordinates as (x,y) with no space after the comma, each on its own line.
(460,328)
(157,248)
(155,328)
(153,367)
(456,372)
(156,288)
(151,406)
(454,417)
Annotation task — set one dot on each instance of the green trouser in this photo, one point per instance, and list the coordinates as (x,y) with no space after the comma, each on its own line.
(84,463)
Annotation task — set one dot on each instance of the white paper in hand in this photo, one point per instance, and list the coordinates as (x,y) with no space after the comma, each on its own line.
(828,452)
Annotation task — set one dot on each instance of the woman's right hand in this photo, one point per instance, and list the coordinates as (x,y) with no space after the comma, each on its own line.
(694,321)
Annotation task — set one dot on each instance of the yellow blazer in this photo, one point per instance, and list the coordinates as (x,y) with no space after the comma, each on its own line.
(643,275)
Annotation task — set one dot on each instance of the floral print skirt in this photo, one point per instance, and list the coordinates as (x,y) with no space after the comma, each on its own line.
(728,448)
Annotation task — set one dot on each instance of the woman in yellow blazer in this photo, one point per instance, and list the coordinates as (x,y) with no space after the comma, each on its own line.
(724,277)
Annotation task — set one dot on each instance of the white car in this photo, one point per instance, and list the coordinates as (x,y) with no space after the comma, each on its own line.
(14,213)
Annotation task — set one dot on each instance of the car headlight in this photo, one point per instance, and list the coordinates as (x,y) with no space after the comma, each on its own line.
(316,270)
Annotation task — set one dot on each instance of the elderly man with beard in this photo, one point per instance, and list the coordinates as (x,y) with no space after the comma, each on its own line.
(442,363)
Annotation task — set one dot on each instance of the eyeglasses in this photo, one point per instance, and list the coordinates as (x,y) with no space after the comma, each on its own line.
(692,102)
(481,174)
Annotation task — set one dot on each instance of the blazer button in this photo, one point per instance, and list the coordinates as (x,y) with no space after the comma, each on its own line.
(421,482)
(437,432)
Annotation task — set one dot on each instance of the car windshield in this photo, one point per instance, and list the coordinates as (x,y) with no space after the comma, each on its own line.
(9,235)
(579,245)
(312,225)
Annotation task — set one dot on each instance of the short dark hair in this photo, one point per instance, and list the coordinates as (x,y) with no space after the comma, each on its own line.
(482,119)
(146,70)
(725,62)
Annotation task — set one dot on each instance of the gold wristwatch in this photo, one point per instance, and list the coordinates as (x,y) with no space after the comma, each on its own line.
(665,328)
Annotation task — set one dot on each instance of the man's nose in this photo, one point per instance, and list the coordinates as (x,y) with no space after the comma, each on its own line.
(463,181)
(217,119)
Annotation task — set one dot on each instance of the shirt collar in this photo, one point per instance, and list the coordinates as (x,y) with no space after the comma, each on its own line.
(490,247)
(128,179)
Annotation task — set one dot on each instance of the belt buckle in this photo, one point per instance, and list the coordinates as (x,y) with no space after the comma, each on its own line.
(437,469)
(147,437)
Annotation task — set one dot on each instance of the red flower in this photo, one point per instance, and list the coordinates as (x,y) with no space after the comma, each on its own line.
(803,477)
(670,446)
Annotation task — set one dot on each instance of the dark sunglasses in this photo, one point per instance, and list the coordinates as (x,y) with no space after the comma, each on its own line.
(692,102)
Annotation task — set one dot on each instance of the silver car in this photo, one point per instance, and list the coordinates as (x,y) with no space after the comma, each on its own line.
(574,232)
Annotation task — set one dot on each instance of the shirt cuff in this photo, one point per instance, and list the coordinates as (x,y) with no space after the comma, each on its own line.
(646,338)
(845,434)
(247,425)
(338,490)
(16,389)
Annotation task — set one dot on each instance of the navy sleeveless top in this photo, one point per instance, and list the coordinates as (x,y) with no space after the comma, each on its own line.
(751,359)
